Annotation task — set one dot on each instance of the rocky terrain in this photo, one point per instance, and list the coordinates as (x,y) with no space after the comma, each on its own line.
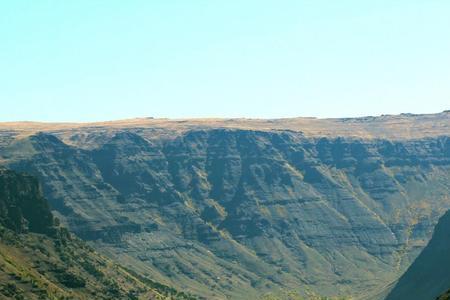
(41,260)
(242,208)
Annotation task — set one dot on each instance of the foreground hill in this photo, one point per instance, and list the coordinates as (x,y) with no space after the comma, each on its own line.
(242,210)
(40,260)
(429,275)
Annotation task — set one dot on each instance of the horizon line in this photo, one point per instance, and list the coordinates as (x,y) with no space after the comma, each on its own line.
(222,118)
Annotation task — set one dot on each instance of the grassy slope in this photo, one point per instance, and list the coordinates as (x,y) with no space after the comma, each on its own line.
(36,266)
(41,260)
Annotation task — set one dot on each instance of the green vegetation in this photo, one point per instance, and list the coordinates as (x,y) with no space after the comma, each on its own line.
(293,295)
(445,296)
(41,260)
(162,288)
(36,266)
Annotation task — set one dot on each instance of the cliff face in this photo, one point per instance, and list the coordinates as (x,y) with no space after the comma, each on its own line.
(22,206)
(241,212)
(429,275)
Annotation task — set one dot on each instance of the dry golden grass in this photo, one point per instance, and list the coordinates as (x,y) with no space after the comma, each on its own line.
(405,126)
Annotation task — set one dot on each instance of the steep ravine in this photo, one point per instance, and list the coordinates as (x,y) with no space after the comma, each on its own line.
(239,213)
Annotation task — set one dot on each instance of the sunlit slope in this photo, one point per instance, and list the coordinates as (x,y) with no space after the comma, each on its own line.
(404,126)
(41,260)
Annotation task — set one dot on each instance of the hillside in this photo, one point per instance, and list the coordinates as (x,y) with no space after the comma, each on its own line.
(244,210)
(429,275)
(40,260)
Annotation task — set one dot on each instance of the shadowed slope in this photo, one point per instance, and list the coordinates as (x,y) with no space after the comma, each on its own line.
(429,275)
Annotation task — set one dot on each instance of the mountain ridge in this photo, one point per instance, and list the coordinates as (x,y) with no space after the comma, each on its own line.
(403,126)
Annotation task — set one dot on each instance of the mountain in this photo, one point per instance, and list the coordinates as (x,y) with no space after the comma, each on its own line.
(41,260)
(242,208)
(429,275)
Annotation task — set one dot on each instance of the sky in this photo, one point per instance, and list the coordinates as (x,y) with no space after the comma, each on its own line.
(92,60)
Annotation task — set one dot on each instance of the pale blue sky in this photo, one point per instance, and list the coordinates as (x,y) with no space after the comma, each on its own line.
(99,60)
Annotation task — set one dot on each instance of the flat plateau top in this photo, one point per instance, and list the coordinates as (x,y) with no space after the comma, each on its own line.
(403,126)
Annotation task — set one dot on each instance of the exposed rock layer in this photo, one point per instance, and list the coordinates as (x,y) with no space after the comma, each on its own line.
(240,212)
